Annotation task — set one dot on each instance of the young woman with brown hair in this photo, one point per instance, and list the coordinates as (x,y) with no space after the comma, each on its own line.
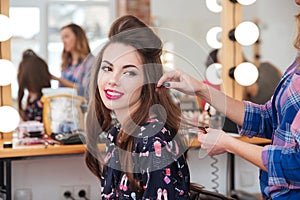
(33,76)
(144,151)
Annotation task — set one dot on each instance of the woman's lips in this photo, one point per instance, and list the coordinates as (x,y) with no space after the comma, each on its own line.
(113,94)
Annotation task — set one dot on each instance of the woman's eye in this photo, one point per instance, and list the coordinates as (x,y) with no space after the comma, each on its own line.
(130,73)
(106,68)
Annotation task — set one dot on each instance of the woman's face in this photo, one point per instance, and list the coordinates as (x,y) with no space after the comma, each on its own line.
(120,78)
(69,39)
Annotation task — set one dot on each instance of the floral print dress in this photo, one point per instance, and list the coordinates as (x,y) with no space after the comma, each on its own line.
(34,110)
(159,168)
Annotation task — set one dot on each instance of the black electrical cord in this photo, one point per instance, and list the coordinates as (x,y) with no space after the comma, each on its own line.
(215,173)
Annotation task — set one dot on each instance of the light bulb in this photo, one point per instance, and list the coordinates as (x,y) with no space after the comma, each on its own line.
(5,27)
(246,73)
(213,6)
(7,72)
(246,33)
(213,37)
(168,57)
(246,2)
(9,118)
(214,73)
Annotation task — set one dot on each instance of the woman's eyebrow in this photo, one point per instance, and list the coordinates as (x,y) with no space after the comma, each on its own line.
(127,66)
(124,67)
(107,62)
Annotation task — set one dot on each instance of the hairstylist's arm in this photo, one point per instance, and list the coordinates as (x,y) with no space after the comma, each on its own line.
(185,83)
(64,82)
(217,141)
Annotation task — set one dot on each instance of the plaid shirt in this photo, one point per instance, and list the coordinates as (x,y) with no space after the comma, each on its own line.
(80,74)
(279,120)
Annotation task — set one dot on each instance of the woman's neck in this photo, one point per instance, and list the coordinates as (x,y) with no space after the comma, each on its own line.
(75,58)
(121,116)
(124,114)
(32,96)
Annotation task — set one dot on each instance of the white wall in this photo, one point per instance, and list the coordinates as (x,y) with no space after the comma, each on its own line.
(46,176)
(278,31)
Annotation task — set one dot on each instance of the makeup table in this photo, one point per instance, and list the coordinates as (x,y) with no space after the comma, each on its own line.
(7,155)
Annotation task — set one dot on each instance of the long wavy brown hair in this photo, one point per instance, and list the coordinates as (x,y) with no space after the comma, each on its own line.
(131,31)
(81,46)
(33,75)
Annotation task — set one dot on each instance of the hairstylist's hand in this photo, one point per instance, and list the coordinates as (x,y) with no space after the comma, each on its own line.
(213,141)
(54,77)
(180,81)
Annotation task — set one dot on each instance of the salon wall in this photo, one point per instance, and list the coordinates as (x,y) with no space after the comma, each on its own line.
(190,20)
(48,177)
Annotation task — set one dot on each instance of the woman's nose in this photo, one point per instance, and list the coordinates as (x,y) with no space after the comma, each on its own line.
(114,79)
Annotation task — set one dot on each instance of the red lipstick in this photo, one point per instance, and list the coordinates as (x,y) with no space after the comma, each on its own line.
(113,94)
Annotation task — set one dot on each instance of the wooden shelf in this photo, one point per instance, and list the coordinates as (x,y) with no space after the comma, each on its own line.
(40,150)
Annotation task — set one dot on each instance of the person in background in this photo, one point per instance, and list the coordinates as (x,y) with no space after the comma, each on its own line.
(33,76)
(278,120)
(144,156)
(77,59)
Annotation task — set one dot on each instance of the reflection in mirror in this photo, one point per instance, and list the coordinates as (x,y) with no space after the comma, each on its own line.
(25,35)
(93,18)
(41,32)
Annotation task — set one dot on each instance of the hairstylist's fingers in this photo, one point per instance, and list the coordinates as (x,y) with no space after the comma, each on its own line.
(173,85)
(201,137)
(169,76)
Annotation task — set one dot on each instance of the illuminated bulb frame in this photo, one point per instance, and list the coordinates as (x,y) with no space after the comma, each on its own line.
(243,35)
(8,73)
(5,27)
(246,33)
(244,2)
(9,116)
(244,77)
(212,37)
(214,6)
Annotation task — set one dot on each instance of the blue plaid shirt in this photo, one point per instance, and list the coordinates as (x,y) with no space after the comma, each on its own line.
(279,120)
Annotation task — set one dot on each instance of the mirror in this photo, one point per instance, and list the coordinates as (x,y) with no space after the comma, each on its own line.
(278,29)
(41,32)
(190,20)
